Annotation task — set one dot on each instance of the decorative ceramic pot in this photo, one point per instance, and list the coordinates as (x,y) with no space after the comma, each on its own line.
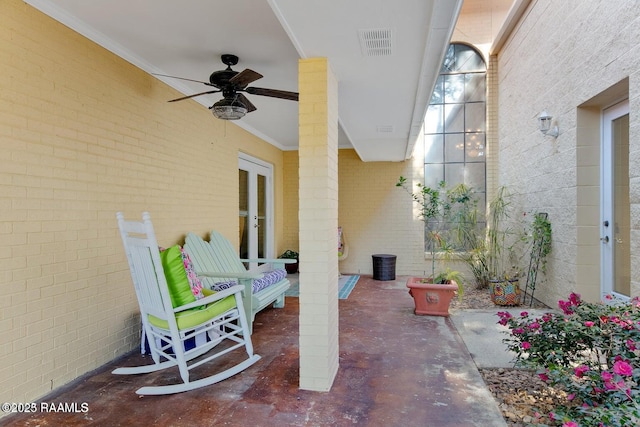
(431,299)
(505,292)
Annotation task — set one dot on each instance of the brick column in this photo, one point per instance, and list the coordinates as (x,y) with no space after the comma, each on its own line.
(318,220)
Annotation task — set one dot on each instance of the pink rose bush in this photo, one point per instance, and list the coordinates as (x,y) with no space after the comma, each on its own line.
(591,351)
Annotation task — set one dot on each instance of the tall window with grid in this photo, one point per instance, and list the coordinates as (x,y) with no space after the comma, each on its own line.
(455,123)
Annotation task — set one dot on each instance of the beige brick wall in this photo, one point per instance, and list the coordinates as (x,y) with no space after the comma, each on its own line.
(493,108)
(84,134)
(479,25)
(376,216)
(566,58)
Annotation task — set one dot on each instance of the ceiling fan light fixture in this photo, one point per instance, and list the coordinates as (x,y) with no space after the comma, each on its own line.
(234,105)
(229,109)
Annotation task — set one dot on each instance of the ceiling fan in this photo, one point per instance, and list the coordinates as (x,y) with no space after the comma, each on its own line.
(234,104)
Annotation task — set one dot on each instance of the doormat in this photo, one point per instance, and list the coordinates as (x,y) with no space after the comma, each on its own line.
(345,286)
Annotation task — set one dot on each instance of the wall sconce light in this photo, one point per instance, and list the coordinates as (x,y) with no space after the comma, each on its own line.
(546,125)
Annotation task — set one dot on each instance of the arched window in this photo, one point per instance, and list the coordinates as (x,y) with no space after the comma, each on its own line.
(455,123)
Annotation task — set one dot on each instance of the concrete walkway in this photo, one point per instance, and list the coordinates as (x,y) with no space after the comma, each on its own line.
(481,333)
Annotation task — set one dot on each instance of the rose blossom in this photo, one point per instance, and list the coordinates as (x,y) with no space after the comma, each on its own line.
(534,325)
(623,368)
(574,298)
(580,370)
(504,317)
(565,306)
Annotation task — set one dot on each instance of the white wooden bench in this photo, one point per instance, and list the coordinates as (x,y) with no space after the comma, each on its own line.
(219,266)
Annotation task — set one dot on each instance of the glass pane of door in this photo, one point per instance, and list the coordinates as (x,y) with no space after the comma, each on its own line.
(262,215)
(615,218)
(243,209)
(621,207)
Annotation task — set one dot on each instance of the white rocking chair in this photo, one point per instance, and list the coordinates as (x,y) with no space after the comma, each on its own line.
(219,314)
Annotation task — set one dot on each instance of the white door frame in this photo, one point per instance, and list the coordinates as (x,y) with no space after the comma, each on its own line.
(257,167)
(607,202)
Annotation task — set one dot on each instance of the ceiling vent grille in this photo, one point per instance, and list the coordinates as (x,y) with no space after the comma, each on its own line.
(384,128)
(376,42)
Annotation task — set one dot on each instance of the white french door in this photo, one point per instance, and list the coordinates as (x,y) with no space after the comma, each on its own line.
(255,209)
(615,206)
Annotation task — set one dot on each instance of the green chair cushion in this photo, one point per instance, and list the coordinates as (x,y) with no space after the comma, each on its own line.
(177,281)
(196,316)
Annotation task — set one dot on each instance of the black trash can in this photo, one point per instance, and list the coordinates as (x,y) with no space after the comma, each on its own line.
(384,267)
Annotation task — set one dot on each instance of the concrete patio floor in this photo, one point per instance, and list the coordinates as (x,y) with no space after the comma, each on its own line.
(396,369)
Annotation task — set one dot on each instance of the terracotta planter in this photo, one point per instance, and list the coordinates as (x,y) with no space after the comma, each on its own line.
(505,292)
(431,299)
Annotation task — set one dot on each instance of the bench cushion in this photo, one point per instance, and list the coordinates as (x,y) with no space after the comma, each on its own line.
(221,286)
(269,278)
(196,316)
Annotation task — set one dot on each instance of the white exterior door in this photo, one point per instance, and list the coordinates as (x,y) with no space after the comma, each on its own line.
(255,209)
(615,205)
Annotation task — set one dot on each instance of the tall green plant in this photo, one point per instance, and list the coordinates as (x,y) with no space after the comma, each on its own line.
(497,232)
(508,241)
(431,208)
(492,252)
(541,239)
(449,215)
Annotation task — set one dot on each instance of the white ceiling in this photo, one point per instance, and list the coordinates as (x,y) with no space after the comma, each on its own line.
(382,99)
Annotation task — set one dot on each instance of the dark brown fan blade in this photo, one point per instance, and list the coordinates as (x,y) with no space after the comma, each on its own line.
(195,94)
(282,94)
(250,107)
(243,78)
(182,78)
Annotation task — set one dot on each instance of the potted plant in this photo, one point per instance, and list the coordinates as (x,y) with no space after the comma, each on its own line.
(290,254)
(444,213)
(433,296)
(504,285)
